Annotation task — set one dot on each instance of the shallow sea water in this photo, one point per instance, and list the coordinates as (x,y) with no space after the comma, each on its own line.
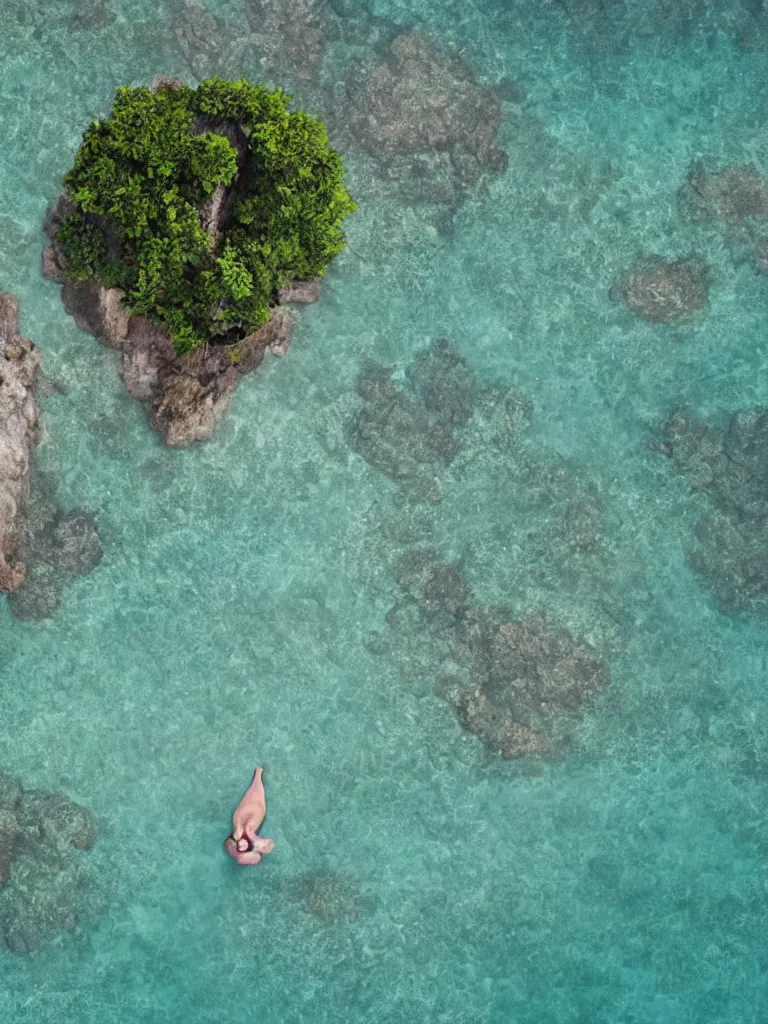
(238,615)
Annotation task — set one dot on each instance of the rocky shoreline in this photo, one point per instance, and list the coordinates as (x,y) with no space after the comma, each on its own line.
(19,418)
(41,546)
(185,395)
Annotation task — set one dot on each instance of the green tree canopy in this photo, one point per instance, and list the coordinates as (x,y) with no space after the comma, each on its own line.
(144,178)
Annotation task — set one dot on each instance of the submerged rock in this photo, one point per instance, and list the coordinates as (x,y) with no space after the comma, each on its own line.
(445,384)
(519,686)
(38,902)
(9,829)
(49,820)
(734,195)
(729,465)
(210,46)
(289,36)
(331,898)
(582,525)
(57,546)
(412,435)
(76,542)
(39,597)
(420,114)
(19,363)
(737,198)
(10,791)
(91,15)
(665,291)
(40,872)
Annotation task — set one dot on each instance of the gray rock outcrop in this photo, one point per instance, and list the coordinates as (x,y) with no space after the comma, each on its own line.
(19,363)
(41,837)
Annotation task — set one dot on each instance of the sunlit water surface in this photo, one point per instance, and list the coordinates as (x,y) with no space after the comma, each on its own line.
(231,620)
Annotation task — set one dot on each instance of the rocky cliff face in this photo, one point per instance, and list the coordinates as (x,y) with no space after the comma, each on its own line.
(19,362)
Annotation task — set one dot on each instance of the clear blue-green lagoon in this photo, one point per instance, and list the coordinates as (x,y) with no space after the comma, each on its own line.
(239,614)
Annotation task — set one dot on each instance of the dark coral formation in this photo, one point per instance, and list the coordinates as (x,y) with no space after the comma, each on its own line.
(41,547)
(730,465)
(19,364)
(57,546)
(665,291)
(209,45)
(737,198)
(420,114)
(91,15)
(412,434)
(519,686)
(289,36)
(41,835)
(186,395)
(331,898)
(734,195)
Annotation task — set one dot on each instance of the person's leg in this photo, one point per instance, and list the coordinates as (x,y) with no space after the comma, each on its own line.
(256,788)
(251,811)
(255,799)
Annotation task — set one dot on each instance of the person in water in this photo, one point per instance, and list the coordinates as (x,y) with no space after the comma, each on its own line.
(245,845)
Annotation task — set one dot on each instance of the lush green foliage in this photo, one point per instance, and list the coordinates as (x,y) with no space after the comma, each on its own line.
(142,177)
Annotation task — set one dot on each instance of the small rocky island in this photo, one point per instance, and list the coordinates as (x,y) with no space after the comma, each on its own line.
(191,220)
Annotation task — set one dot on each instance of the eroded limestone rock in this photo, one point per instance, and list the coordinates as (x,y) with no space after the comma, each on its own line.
(19,363)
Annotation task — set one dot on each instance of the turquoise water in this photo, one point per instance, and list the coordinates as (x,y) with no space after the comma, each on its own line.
(239,613)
